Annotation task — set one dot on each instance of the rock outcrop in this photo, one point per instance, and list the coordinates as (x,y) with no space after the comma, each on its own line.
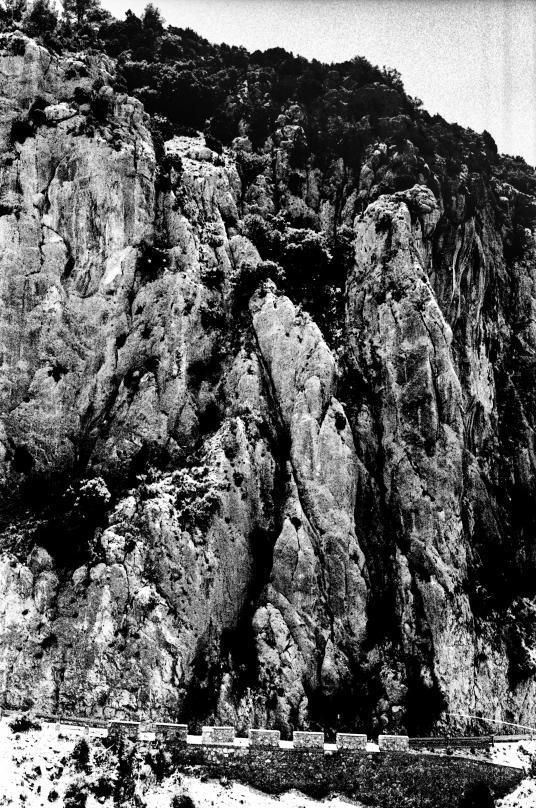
(221,499)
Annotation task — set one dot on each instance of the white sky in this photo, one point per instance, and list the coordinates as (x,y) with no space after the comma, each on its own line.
(473,61)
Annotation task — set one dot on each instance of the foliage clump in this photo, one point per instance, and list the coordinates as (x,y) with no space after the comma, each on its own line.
(182,801)
(196,496)
(23,723)
(75,795)
(75,27)
(80,755)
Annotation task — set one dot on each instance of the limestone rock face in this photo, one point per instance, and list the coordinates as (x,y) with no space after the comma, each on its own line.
(221,502)
(419,388)
(71,247)
(400,342)
(314,620)
(110,355)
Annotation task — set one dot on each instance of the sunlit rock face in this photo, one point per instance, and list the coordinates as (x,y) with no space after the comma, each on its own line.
(220,501)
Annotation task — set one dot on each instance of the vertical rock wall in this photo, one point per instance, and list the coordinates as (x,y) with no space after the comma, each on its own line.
(216,502)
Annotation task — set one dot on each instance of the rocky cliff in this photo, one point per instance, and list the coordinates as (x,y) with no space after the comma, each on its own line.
(239,491)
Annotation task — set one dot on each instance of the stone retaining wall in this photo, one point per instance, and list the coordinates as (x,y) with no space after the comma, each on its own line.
(401,778)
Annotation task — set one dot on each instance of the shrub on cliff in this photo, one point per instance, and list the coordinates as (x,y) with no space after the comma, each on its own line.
(92,495)
(41,21)
(12,13)
(250,166)
(250,277)
(125,785)
(102,788)
(21,129)
(182,801)
(160,763)
(265,233)
(80,11)
(22,723)
(196,496)
(75,795)
(80,755)
(305,256)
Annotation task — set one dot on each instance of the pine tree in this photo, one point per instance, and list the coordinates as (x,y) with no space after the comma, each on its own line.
(152,19)
(12,13)
(80,11)
(41,20)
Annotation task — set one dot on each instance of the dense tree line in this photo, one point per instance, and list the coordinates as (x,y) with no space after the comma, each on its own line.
(342,109)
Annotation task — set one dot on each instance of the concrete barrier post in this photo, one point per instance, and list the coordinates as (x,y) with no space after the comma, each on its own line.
(308,740)
(393,743)
(178,733)
(346,740)
(218,735)
(124,729)
(264,737)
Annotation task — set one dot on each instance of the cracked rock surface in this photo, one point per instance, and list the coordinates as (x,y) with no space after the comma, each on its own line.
(219,504)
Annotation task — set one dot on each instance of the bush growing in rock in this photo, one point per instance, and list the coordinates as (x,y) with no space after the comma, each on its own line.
(159,762)
(41,21)
(250,166)
(251,276)
(196,497)
(12,13)
(103,788)
(265,233)
(182,801)
(75,795)
(22,723)
(306,259)
(21,130)
(80,755)
(125,784)
(93,495)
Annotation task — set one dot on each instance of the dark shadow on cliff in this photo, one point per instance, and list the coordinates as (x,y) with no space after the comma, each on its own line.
(58,513)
